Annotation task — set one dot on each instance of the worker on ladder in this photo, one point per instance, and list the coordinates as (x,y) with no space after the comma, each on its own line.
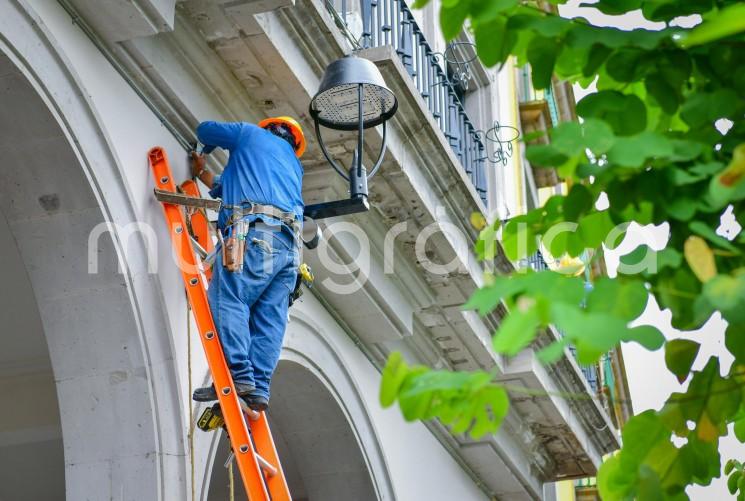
(259,225)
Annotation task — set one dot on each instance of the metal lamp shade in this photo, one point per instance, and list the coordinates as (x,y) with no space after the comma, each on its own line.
(336,105)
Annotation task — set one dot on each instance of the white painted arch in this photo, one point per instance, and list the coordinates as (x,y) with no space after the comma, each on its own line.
(121,421)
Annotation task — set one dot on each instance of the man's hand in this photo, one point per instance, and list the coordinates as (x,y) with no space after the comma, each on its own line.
(198,164)
(199,169)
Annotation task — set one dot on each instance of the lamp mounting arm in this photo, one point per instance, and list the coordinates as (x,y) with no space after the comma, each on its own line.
(379,161)
(326,154)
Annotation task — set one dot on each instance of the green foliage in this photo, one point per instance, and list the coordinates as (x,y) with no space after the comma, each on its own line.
(647,140)
(467,401)
(736,479)
(679,357)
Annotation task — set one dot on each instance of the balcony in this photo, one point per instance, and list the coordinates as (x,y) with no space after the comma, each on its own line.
(378,23)
(538,112)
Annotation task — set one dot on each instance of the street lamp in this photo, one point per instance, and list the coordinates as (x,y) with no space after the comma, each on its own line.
(352,96)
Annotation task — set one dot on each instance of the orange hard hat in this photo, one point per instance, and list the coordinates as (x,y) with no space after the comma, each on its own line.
(294,127)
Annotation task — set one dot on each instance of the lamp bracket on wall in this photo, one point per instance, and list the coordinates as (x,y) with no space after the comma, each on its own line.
(498,141)
(458,63)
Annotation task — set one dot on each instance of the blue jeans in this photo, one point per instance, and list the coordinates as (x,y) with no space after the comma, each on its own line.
(250,307)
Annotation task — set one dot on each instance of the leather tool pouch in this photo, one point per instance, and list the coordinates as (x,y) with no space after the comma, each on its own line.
(232,253)
(234,247)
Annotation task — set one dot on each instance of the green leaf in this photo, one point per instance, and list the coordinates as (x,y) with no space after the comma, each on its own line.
(545,26)
(542,54)
(567,138)
(394,373)
(709,401)
(452,18)
(665,94)
(494,41)
(554,286)
(726,22)
(647,459)
(518,240)
(623,299)
(678,289)
(734,340)
(669,257)
(682,208)
(598,135)
(739,429)
(595,59)
(703,108)
(634,150)
(517,331)
(594,228)
(707,169)
(732,482)
(577,202)
(685,150)
(487,298)
(726,293)
(648,336)
(701,460)
(679,357)
(625,64)
(553,352)
(488,10)
(462,400)
(652,261)
(592,333)
(625,113)
(545,155)
(613,480)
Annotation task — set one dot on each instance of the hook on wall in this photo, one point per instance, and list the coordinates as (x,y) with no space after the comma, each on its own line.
(458,60)
(498,141)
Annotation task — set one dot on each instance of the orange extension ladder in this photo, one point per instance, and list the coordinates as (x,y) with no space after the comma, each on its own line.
(250,438)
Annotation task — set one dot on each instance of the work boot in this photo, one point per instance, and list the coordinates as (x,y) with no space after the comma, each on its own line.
(256,402)
(208,393)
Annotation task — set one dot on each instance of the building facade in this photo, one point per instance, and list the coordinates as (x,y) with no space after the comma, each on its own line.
(100,352)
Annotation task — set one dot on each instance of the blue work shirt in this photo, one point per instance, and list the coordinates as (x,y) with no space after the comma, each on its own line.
(262,168)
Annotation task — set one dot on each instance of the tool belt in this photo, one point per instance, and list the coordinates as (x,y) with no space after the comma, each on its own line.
(288,218)
(234,245)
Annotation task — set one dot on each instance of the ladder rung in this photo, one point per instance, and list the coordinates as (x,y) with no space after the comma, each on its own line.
(230,459)
(252,414)
(266,465)
(270,469)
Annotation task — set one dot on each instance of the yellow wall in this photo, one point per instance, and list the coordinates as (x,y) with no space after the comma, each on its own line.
(565,491)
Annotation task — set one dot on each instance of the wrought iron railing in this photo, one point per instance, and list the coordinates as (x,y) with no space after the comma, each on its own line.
(535,262)
(376,23)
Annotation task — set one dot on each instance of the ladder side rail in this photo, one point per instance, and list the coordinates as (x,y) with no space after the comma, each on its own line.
(248,465)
